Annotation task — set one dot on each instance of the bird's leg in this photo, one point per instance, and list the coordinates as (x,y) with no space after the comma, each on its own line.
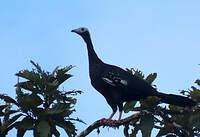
(120,111)
(114,108)
(110,118)
(120,115)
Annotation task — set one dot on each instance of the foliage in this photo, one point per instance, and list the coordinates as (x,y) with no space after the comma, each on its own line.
(170,121)
(40,106)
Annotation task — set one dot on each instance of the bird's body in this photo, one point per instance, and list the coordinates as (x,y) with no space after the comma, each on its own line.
(119,86)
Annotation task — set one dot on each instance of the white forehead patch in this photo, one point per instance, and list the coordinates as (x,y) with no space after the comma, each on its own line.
(81,29)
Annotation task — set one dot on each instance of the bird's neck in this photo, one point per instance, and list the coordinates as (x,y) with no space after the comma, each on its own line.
(92,56)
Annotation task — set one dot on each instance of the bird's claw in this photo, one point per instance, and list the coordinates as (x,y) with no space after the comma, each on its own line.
(104,119)
(107,119)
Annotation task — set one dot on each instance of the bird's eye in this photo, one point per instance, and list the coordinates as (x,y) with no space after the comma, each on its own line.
(82,29)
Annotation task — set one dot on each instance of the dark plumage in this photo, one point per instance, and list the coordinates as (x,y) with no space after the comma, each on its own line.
(118,85)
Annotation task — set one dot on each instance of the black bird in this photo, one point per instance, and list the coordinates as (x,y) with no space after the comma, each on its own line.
(119,86)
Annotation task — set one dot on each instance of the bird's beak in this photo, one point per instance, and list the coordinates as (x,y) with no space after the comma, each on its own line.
(74,30)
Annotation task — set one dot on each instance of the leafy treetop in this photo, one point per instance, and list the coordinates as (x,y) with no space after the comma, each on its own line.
(40,104)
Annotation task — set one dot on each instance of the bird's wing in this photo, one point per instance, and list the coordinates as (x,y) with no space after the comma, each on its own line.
(114,79)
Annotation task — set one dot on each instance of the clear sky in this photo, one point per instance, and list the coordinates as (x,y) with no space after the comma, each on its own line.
(153,36)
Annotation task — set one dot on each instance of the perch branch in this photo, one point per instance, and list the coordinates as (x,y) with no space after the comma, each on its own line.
(163,112)
(133,118)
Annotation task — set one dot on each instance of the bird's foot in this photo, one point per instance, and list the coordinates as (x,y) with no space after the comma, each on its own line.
(107,119)
(114,121)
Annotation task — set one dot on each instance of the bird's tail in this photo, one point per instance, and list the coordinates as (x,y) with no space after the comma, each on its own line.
(176,100)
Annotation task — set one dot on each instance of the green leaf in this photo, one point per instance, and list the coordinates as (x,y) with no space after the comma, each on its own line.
(55,70)
(70,100)
(184,92)
(58,108)
(164,131)
(68,127)
(19,93)
(26,124)
(54,131)
(173,107)
(151,77)
(30,75)
(28,85)
(137,109)
(36,100)
(64,70)
(135,130)
(1,114)
(32,100)
(129,106)
(20,132)
(55,84)
(43,129)
(138,73)
(39,111)
(61,77)
(11,112)
(29,101)
(10,121)
(130,70)
(197,82)
(195,120)
(147,124)
(67,68)
(149,102)
(195,94)
(37,66)
(2,107)
(73,92)
(8,99)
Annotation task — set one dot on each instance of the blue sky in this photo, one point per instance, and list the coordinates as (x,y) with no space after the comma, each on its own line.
(153,36)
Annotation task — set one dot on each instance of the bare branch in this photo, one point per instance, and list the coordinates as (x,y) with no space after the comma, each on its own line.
(133,118)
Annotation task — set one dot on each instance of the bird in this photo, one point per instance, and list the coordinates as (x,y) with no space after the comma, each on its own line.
(118,85)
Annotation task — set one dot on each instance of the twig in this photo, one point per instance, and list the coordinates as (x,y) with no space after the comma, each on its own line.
(164,113)
(100,123)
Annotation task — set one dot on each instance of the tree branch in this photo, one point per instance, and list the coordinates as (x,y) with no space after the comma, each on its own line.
(133,118)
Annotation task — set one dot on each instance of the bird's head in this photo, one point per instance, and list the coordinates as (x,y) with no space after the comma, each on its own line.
(82,31)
